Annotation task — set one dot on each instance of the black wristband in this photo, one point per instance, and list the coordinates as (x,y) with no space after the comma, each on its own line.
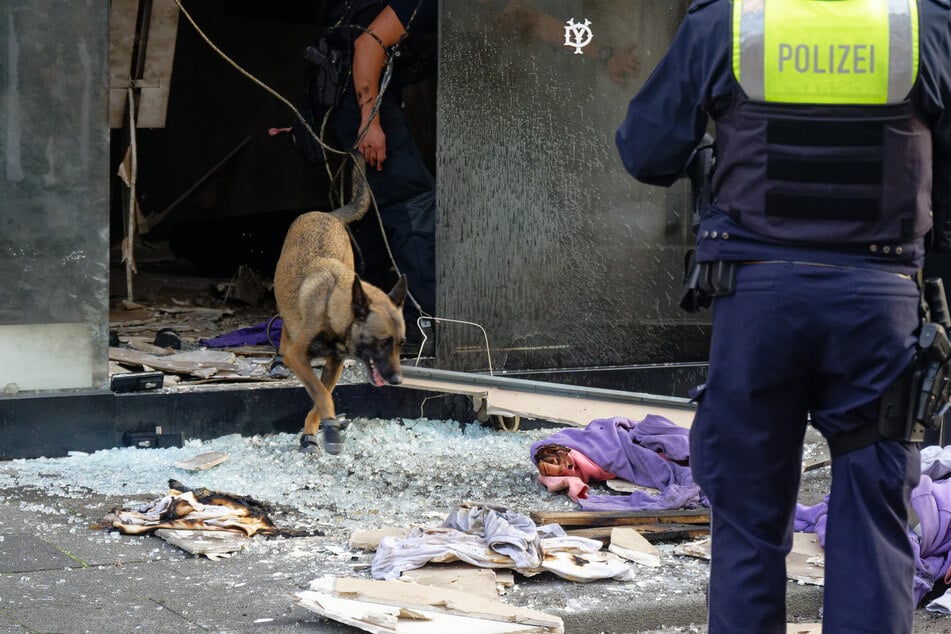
(605,53)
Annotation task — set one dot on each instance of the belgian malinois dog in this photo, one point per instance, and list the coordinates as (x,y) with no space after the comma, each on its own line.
(330,314)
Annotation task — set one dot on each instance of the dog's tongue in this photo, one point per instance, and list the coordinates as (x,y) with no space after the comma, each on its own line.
(377,378)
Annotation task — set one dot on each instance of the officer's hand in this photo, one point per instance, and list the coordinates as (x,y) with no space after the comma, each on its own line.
(373,145)
(623,63)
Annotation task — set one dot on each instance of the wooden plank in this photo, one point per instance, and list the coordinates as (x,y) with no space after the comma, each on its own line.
(393,619)
(157,74)
(672,532)
(426,597)
(123,15)
(653,533)
(621,518)
(203,365)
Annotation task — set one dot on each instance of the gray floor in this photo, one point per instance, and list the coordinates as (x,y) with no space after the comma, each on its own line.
(60,573)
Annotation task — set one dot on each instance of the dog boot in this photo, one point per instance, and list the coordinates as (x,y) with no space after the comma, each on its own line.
(331,430)
(277,369)
(308,443)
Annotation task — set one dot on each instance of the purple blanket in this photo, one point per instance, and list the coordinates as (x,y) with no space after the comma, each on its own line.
(641,452)
(931,501)
(266,332)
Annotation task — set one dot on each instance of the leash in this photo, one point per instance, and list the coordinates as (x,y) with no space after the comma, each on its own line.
(387,75)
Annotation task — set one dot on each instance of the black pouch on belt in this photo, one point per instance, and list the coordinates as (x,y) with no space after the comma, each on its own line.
(705,280)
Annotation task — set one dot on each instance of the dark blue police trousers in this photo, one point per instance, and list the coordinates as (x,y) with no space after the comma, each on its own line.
(404,191)
(798,339)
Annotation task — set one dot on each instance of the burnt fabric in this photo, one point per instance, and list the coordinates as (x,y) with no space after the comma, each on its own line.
(652,453)
(199,509)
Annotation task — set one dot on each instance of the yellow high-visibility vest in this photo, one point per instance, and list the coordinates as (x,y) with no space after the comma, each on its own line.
(859,52)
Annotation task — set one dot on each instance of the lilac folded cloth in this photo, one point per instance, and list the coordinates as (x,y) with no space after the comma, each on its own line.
(256,335)
(930,539)
(650,453)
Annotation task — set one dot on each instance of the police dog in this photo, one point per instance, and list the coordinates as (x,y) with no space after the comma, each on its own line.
(330,314)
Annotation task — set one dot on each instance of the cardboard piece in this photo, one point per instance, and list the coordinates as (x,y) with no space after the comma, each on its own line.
(419,597)
(631,545)
(805,563)
(480,582)
(203,461)
(392,619)
(370,539)
(212,544)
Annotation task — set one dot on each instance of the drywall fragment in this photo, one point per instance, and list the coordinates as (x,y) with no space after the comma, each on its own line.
(480,582)
(379,619)
(370,539)
(203,461)
(212,544)
(631,545)
(395,592)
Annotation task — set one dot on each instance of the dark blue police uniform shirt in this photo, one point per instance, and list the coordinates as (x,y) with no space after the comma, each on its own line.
(419,49)
(667,118)
(425,17)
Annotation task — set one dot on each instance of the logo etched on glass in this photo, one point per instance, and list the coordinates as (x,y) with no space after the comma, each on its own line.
(578,34)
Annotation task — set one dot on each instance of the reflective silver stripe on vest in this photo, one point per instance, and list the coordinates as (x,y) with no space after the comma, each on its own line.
(901,56)
(752,50)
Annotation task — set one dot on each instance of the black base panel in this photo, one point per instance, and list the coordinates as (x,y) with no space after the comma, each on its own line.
(54,424)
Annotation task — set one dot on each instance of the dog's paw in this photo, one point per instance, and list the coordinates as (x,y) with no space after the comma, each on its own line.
(309,444)
(331,431)
(278,370)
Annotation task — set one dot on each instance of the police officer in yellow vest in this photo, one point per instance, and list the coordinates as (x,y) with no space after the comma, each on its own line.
(832,157)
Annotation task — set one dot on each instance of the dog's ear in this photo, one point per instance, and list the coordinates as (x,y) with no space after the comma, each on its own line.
(359,302)
(398,293)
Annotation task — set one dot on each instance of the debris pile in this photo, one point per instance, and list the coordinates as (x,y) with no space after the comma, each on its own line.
(187,516)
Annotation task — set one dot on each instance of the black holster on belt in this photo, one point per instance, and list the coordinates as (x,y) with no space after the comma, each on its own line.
(921,397)
(705,280)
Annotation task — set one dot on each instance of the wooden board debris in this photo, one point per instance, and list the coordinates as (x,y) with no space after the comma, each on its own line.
(386,619)
(480,582)
(183,363)
(804,628)
(621,518)
(629,544)
(203,461)
(420,597)
(653,533)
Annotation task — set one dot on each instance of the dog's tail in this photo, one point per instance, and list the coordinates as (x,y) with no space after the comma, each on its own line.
(360,197)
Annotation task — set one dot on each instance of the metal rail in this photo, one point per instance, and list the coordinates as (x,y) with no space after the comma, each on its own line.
(511,398)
